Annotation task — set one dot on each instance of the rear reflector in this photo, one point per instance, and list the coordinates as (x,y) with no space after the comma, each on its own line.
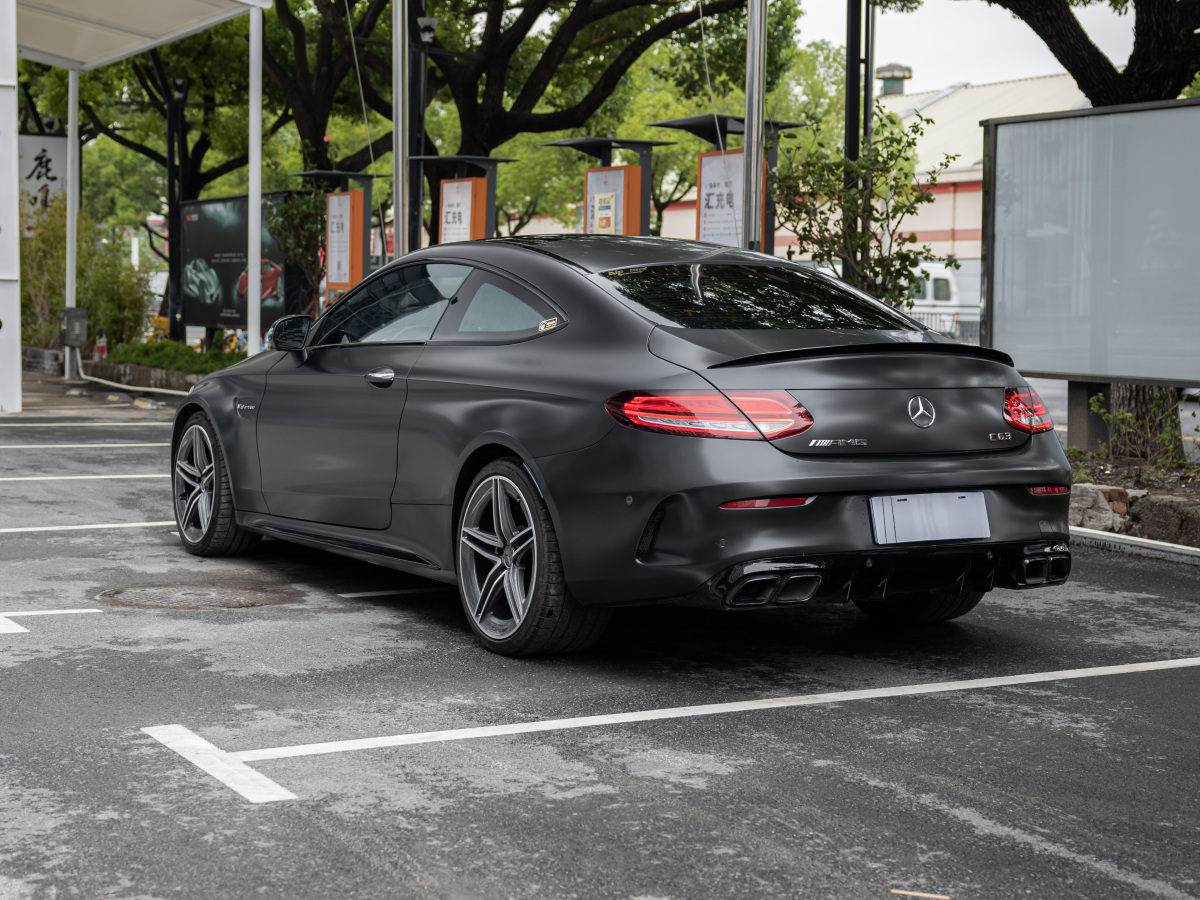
(742,415)
(767,503)
(1024,410)
(1049,489)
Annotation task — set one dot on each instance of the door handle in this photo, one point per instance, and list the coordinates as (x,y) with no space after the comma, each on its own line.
(381,377)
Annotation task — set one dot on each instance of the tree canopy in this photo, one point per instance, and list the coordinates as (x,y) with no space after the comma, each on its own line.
(1166,46)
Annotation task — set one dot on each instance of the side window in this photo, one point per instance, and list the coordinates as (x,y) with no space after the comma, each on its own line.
(941,289)
(491,308)
(918,290)
(400,305)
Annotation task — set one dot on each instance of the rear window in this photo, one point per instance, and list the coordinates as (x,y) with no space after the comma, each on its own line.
(745,297)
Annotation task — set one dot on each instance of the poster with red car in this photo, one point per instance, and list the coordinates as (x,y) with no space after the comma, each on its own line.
(215,281)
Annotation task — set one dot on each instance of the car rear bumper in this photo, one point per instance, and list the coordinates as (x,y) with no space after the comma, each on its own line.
(639,521)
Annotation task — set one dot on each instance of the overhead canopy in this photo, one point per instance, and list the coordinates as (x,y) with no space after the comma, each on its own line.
(82,36)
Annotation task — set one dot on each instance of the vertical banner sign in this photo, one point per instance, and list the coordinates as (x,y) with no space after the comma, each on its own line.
(612,200)
(10,238)
(43,169)
(343,242)
(463,210)
(719,197)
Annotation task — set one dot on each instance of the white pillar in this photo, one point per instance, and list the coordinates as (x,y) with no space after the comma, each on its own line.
(756,66)
(10,220)
(401,189)
(254,217)
(72,200)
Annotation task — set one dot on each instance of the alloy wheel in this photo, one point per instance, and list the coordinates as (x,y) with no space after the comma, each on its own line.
(497,556)
(194,477)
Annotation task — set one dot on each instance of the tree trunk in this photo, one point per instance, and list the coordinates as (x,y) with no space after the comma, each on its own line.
(1144,423)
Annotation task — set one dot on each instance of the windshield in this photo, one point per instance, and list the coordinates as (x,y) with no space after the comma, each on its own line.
(732,296)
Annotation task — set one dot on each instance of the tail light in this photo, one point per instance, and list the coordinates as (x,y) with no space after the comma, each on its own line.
(741,415)
(1024,410)
(1049,490)
(767,503)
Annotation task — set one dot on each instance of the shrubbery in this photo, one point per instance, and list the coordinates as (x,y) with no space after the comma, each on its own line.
(115,294)
(173,355)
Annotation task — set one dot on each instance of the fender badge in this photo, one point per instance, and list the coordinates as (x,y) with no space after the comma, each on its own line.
(547,324)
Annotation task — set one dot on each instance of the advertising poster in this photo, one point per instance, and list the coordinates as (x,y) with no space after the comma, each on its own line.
(606,213)
(719,198)
(43,168)
(456,211)
(215,280)
(337,213)
(604,201)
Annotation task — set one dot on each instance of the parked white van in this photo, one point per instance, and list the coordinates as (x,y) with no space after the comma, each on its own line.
(938,303)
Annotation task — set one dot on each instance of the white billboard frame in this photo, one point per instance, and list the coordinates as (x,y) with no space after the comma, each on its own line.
(1097,293)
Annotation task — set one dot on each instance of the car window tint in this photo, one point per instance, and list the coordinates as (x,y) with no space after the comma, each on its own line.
(941,289)
(401,305)
(752,297)
(495,309)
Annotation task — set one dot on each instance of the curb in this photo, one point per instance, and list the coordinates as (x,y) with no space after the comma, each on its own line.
(1123,543)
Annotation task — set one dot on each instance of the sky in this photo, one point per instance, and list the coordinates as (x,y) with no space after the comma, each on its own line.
(948,41)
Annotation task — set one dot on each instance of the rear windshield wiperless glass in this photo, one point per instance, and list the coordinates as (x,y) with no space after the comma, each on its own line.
(729,296)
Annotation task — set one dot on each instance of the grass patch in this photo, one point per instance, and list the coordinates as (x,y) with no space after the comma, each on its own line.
(174,355)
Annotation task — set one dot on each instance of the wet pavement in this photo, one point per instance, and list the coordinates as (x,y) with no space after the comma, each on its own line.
(1079,787)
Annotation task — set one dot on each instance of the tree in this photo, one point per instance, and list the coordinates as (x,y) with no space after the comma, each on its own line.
(310,53)
(127,103)
(814,203)
(1166,46)
(298,226)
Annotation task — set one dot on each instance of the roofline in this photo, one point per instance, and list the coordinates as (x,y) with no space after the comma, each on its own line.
(52,59)
(1091,111)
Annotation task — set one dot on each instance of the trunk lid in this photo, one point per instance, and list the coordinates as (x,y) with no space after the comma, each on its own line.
(869,393)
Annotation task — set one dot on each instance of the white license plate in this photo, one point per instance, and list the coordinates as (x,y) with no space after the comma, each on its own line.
(908,518)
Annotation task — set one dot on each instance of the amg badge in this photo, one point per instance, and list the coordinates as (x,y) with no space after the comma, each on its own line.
(1000,436)
(839,442)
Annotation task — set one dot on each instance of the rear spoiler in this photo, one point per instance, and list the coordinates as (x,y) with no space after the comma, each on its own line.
(756,359)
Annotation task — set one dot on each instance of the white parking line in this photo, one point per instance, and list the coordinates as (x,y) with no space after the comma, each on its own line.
(428,590)
(84,527)
(220,765)
(81,424)
(224,770)
(79,477)
(9,627)
(76,446)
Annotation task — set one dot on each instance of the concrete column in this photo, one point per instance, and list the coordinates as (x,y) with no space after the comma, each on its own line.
(10,221)
(72,203)
(1086,429)
(254,214)
(401,187)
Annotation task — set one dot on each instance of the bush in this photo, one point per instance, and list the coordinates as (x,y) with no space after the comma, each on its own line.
(115,294)
(173,355)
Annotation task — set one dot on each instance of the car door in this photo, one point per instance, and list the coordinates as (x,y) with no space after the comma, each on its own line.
(327,429)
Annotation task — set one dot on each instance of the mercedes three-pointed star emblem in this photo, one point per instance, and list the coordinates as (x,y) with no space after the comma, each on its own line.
(921,411)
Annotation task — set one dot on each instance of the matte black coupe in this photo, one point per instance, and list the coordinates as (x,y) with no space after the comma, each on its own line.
(563,425)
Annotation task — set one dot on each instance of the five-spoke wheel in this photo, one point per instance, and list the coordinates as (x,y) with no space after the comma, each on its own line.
(194,471)
(510,573)
(497,556)
(203,499)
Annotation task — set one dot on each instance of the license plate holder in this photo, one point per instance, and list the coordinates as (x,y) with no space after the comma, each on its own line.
(916,518)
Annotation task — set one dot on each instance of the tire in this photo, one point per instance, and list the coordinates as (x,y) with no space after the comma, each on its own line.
(921,607)
(202,499)
(510,575)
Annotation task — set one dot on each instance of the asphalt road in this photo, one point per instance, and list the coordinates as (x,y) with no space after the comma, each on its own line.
(1081,787)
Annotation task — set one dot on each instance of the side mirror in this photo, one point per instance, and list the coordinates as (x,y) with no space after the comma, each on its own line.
(288,333)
